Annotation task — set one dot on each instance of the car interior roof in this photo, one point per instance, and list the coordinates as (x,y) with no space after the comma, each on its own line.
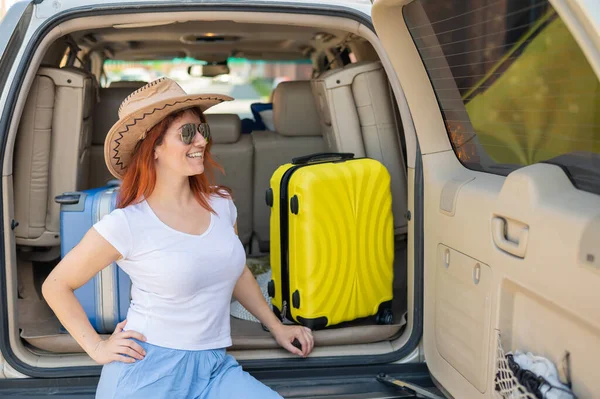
(209,40)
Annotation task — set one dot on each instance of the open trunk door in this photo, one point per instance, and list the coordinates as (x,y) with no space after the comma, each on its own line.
(505,100)
(13,27)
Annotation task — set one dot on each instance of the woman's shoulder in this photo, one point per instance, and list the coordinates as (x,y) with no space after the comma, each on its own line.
(130,211)
(220,195)
(222,202)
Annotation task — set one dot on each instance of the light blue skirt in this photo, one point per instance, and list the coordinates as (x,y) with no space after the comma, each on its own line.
(173,374)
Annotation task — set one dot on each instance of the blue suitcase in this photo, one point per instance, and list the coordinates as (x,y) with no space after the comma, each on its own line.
(106,297)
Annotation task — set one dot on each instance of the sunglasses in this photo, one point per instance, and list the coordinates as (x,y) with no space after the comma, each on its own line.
(189,130)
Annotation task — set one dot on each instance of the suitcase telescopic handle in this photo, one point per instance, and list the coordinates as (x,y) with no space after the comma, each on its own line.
(322,156)
(67,198)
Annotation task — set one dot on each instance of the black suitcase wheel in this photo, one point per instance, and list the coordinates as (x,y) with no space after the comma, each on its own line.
(269,197)
(296,299)
(385,316)
(294,206)
(271,289)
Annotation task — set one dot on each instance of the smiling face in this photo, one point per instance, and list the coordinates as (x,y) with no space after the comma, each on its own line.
(173,156)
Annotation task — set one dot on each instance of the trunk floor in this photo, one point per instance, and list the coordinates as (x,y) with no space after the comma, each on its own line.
(40,328)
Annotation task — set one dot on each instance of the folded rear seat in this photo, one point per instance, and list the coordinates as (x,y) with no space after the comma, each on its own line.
(52,151)
(357,115)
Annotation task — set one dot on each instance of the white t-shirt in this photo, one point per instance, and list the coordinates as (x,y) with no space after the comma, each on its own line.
(181,283)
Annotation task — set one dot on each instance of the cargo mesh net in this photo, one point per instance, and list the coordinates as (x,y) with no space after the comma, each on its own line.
(507,385)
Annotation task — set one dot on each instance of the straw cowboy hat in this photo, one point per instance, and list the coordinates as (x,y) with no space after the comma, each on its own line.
(142,110)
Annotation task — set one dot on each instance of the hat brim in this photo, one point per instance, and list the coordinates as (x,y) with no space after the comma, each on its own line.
(126,132)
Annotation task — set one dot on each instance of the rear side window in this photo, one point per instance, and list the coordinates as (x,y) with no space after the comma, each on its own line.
(513,85)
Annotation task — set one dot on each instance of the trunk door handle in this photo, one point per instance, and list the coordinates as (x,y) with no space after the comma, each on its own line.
(499,235)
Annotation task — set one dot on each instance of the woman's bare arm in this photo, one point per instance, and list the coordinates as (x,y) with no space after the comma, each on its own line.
(82,263)
(248,293)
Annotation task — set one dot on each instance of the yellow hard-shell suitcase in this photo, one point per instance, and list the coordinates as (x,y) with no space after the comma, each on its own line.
(332,240)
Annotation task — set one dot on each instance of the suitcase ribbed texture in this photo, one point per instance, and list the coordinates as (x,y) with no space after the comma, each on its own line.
(341,241)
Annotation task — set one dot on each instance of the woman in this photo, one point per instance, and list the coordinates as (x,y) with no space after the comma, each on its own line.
(175,234)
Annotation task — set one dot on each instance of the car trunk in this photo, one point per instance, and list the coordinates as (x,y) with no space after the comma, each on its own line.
(41,347)
(43,332)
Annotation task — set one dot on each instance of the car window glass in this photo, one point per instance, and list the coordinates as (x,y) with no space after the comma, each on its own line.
(513,85)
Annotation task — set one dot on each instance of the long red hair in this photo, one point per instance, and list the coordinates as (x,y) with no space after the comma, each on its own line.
(140,177)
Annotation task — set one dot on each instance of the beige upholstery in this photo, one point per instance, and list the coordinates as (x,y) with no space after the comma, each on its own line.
(357,115)
(105,115)
(294,111)
(224,128)
(297,133)
(234,152)
(52,151)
